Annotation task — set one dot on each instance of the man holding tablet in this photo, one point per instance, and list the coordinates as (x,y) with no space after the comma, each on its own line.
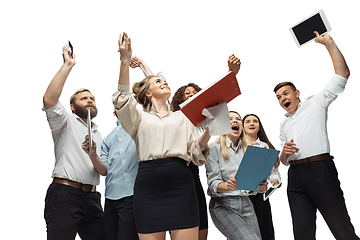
(312,177)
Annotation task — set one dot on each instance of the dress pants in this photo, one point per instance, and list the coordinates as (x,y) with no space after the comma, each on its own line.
(263,214)
(69,211)
(235,217)
(315,186)
(119,219)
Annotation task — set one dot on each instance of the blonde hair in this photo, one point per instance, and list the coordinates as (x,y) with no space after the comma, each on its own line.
(140,88)
(81,90)
(222,141)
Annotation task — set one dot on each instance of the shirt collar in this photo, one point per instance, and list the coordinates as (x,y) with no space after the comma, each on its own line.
(256,143)
(229,144)
(94,127)
(154,111)
(292,114)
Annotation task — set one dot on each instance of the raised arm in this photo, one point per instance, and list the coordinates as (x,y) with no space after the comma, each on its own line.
(125,52)
(337,58)
(54,90)
(137,62)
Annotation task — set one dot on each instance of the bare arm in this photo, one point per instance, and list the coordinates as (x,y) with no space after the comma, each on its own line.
(337,58)
(137,62)
(99,165)
(204,138)
(54,90)
(125,52)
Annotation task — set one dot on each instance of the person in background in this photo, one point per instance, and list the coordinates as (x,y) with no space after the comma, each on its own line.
(180,96)
(231,210)
(256,136)
(118,162)
(313,182)
(166,141)
(72,204)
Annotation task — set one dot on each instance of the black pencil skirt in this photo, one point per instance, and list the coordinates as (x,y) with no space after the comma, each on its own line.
(164,196)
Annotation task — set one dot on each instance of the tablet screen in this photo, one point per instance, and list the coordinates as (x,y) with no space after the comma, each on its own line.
(305,31)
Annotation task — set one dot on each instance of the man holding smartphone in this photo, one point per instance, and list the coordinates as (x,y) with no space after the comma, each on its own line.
(312,177)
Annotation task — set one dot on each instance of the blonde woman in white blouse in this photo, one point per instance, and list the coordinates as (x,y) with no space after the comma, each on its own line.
(166,141)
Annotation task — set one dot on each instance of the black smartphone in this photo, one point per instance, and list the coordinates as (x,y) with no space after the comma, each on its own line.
(72,49)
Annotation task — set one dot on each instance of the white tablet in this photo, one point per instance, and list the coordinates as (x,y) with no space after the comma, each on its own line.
(272,189)
(303,31)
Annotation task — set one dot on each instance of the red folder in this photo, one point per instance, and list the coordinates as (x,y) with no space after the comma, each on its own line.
(223,90)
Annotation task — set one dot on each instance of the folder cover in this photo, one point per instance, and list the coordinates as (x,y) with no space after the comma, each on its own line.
(223,90)
(255,167)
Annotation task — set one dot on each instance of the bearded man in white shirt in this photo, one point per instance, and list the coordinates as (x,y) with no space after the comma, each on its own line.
(72,205)
(312,177)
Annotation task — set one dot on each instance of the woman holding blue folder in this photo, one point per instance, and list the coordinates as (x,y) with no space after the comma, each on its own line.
(256,136)
(231,210)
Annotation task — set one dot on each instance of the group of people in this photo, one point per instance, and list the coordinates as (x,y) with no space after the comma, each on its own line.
(151,162)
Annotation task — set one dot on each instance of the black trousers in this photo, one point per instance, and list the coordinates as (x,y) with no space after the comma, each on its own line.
(69,211)
(119,219)
(263,214)
(315,186)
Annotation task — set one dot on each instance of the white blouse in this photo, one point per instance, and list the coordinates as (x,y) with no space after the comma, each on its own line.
(172,135)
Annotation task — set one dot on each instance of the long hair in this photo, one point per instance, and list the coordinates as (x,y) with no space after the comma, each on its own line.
(222,141)
(178,97)
(262,136)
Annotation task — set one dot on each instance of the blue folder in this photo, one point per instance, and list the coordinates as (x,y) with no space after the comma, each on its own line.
(255,167)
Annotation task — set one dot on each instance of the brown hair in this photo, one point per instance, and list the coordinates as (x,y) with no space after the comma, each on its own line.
(283,84)
(81,90)
(222,141)
(262,136)
(178,97)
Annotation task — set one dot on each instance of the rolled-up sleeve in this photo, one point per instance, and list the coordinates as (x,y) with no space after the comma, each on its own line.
(334,87)
(56,116)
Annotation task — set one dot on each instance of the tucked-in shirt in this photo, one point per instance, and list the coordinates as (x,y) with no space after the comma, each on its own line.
(220,169)
(68,132)
(274,174)
(118,151)
(156,136)
(307,125)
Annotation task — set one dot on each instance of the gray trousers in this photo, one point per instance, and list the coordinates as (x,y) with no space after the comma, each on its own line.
(235,217)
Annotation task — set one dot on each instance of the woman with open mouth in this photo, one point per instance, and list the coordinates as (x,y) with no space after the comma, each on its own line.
(231,210)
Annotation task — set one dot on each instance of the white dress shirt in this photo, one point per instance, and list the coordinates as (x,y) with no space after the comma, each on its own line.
(156,136)
(307,125)
(68,132)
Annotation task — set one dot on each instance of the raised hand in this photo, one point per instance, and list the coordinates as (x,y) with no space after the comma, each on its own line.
(66,56)
(234,64)
(125,47)
(325,39)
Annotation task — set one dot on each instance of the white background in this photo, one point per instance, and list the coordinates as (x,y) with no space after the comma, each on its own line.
(189,41)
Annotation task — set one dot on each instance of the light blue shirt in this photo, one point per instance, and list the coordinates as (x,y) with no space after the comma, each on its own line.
(118,151)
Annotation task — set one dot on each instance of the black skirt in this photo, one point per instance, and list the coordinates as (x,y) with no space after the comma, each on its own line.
(164,196)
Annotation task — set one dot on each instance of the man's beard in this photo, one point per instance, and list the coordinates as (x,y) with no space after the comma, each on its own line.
(82,112)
